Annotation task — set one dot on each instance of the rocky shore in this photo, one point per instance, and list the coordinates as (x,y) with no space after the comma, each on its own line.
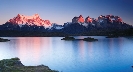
(15,65)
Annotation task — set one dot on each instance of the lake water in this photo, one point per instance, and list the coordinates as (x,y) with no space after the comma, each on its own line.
(104,55)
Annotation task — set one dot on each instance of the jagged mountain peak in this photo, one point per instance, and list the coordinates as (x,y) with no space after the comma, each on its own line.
(100,19)
(30,20)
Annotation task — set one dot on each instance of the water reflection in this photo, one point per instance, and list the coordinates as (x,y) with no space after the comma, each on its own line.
(110,45)
(120,43)
(105,55)
(29,48)
(90,49)
(115,45)
(32,48)
(82,49)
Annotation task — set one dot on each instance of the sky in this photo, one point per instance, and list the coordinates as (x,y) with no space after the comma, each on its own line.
(62,11)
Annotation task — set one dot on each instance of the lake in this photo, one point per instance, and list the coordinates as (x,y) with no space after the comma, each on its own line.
(104,55)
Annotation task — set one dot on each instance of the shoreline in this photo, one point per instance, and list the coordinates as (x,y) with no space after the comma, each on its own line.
(15,65)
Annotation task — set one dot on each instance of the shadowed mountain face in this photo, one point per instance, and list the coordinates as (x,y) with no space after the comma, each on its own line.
(30,20)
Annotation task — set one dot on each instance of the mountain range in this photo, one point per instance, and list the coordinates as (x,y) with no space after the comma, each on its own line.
(78,26)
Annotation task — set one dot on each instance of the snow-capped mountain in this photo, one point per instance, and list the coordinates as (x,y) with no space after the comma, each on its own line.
(30,20)
(56,26)
(78,24)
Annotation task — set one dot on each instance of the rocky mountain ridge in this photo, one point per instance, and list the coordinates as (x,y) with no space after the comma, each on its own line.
(30,20)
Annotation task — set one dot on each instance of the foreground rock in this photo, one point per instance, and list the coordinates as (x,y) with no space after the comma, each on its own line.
(3,40)
(15,65)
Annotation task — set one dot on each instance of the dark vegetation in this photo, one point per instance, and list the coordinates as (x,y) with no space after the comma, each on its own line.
(15,65)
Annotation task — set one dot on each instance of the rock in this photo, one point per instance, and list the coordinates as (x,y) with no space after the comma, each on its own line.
(79,19)
(88,20)
(15,65)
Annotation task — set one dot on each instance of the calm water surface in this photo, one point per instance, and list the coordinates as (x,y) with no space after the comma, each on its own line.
(105,55)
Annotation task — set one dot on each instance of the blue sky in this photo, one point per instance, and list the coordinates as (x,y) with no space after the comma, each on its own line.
(61,11)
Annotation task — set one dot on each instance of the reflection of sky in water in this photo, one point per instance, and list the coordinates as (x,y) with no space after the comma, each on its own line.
(105,55)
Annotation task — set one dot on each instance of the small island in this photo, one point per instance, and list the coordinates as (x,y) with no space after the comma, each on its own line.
(15,65)
(90,39)
(3,40)
(85,39)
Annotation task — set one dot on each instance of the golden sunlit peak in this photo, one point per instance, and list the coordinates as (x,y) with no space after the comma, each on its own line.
(30,20)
